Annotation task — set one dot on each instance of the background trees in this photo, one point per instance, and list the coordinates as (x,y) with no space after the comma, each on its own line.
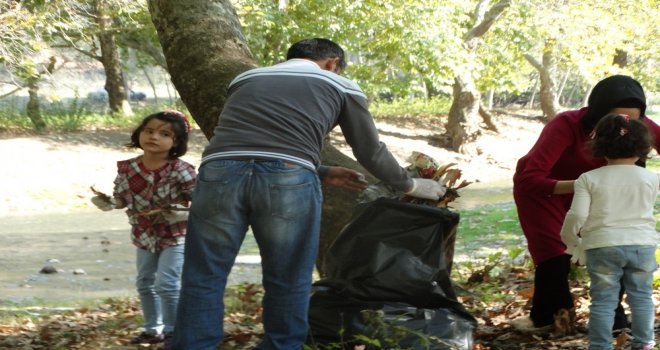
(398,49)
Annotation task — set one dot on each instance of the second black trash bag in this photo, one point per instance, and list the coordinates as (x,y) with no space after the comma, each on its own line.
(343,322)
(394,251)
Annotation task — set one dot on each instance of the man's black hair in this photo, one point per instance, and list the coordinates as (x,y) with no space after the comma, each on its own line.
(317,49)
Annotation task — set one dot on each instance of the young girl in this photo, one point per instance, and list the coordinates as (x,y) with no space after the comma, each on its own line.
(154,187)
(611,225)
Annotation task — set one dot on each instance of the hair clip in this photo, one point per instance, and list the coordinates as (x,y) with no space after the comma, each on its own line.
(180,115)
(625,117)
(592,134)
(623,131)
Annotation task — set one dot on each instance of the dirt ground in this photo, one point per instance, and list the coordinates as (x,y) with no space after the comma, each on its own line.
(52,173)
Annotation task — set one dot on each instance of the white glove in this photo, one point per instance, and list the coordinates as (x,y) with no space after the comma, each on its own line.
(104,204)
(174,216)
(427,189)
(579,255)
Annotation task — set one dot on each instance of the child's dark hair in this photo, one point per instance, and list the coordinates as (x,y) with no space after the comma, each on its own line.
(617,136)
(180,126)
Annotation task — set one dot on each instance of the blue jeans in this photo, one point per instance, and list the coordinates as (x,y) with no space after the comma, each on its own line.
(634,265)
(282,204)
(158,284)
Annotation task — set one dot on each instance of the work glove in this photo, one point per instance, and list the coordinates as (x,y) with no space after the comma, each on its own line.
(104,203)
(427,189)
(578,255)
(174,216)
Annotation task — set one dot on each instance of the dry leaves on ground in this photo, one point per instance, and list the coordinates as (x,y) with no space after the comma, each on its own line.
(493,301)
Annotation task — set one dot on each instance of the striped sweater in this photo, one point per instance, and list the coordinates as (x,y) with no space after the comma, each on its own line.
(285,111)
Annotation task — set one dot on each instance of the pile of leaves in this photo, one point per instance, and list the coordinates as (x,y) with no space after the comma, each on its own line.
(424,166)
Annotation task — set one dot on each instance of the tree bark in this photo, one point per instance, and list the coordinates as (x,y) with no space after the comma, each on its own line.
(204,49)
(114,82)
(462,124)
(548,94)
(32,108)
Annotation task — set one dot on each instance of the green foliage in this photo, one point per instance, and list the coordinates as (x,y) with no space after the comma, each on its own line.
(415,48)
(407,107)
(402,47)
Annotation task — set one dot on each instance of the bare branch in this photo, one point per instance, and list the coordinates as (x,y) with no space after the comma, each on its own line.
(12,92)
(489,18)
(533,61)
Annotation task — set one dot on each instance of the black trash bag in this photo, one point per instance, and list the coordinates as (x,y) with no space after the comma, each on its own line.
(335,320)
(394,251)
(394,257)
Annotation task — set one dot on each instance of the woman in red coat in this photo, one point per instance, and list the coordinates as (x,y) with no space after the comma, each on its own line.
(543,188)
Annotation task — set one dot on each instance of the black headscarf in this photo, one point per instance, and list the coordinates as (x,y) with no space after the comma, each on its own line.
(612,92)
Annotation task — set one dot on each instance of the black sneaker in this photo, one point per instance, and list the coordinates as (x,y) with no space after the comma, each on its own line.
(148,338)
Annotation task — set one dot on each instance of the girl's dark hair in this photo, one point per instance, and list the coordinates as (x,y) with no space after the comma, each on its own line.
(617,136)
(180,127)
(317,49)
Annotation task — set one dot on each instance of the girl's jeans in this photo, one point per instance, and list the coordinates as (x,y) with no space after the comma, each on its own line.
(634,265)
(282,204)
(158,284)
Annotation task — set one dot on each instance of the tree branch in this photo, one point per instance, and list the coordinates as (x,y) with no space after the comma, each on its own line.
(533,61)
(12,92)
(489,18)
(156,53)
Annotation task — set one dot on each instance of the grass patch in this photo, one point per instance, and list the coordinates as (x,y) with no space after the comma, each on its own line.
(487,230)
(74,116)
(405,107)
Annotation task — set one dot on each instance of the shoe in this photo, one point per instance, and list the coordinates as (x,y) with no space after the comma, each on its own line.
(641,347)
(148,338)
(526,325)
(168,341)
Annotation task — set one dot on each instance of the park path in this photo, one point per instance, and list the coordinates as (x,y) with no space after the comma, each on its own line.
(89,240)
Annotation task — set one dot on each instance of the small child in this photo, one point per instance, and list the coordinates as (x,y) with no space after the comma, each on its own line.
(155,188)
(611,227)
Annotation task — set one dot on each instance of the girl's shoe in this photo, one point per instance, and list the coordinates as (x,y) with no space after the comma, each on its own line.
(641,347)
(148,338)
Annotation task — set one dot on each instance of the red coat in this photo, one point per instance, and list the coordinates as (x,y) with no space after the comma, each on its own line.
(560,153)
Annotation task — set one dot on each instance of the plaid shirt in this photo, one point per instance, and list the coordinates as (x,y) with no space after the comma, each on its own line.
(143,190)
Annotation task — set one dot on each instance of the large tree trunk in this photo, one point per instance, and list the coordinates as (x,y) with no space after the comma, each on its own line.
(114,82)
(205,49)
(32,108)
(547,71)
(463,122)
